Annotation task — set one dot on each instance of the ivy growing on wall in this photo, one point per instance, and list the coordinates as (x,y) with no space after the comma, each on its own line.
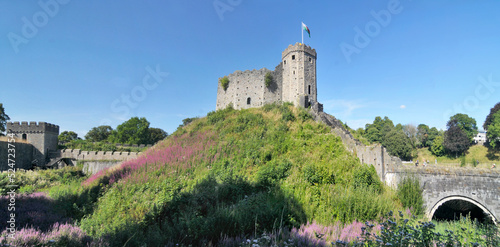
(268,79)
(224,82)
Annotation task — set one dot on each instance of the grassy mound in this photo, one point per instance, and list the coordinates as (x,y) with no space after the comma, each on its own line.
(232,173)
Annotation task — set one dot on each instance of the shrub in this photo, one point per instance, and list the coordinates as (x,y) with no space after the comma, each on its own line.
(268,79)
(462,161)
(366,176)
(224,82)
(304,115)
(273,172)
(410,194)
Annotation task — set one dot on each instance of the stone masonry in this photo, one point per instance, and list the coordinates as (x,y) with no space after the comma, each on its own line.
(294,80)
(42,135)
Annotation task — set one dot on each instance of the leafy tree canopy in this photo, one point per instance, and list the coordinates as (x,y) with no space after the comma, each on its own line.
(489,118)
(3,119)
(455,139)
(437,147)
(133,131)
(465,123)
(433,134)
(100,133)
(411,131)
(493,133)
(423,135)
(398,144)
(156,135)
(375,132)
(67,136)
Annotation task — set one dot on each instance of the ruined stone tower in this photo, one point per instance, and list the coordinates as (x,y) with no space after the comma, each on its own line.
(293,80)
(43,137)
(299,73)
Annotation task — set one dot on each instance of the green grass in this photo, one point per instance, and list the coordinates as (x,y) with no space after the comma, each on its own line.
(236,173)
(476,152)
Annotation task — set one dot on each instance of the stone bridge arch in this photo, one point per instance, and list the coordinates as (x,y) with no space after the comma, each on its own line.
(431,211)
(453,188)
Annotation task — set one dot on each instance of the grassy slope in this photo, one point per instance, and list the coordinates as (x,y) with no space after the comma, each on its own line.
(476,152)
(235,173)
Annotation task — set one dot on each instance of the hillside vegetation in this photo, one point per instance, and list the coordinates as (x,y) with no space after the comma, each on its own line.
(268,176)
(235,173)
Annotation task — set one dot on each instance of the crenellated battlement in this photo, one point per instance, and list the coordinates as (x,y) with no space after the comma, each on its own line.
(262,71)
(299,47)
(94,155)
(32,127)
(293,80)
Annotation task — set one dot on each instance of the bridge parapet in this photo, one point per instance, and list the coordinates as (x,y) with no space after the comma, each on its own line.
(480,187)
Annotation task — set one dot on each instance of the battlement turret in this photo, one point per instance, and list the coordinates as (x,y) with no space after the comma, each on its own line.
(42,135)
(299,47)
(32,127)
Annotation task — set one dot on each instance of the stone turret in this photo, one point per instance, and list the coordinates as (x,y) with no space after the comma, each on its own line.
(43,137)
(299,74)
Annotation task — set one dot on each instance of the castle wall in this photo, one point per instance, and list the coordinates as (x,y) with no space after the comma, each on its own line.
(43,137)
(93,167)
(94,155)
(293,78)
(243,85)
(274,91)
(23,155)
(375,155)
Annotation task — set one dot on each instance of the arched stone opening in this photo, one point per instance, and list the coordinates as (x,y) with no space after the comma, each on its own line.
(452,208)
(24,136)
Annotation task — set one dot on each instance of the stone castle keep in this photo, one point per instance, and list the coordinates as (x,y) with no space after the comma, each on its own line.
(293,80)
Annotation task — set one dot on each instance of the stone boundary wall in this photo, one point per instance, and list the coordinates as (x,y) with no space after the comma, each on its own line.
(94,155)
(93,167)
(375,155)
(24,155)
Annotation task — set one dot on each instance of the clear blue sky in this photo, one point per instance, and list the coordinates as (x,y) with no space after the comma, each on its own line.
(80,64)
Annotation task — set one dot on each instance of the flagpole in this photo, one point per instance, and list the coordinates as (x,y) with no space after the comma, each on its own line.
(302,31)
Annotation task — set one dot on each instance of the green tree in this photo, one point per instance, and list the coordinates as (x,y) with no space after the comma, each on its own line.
(423,135)
(133,131)
(437,147)
(467,125)
(432,135)
(489,118)
(493,133)
(156,135)
(411,131)
(67,136)
(376,131)
(398,144)
(100,133)
(3,119)
(456,140)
